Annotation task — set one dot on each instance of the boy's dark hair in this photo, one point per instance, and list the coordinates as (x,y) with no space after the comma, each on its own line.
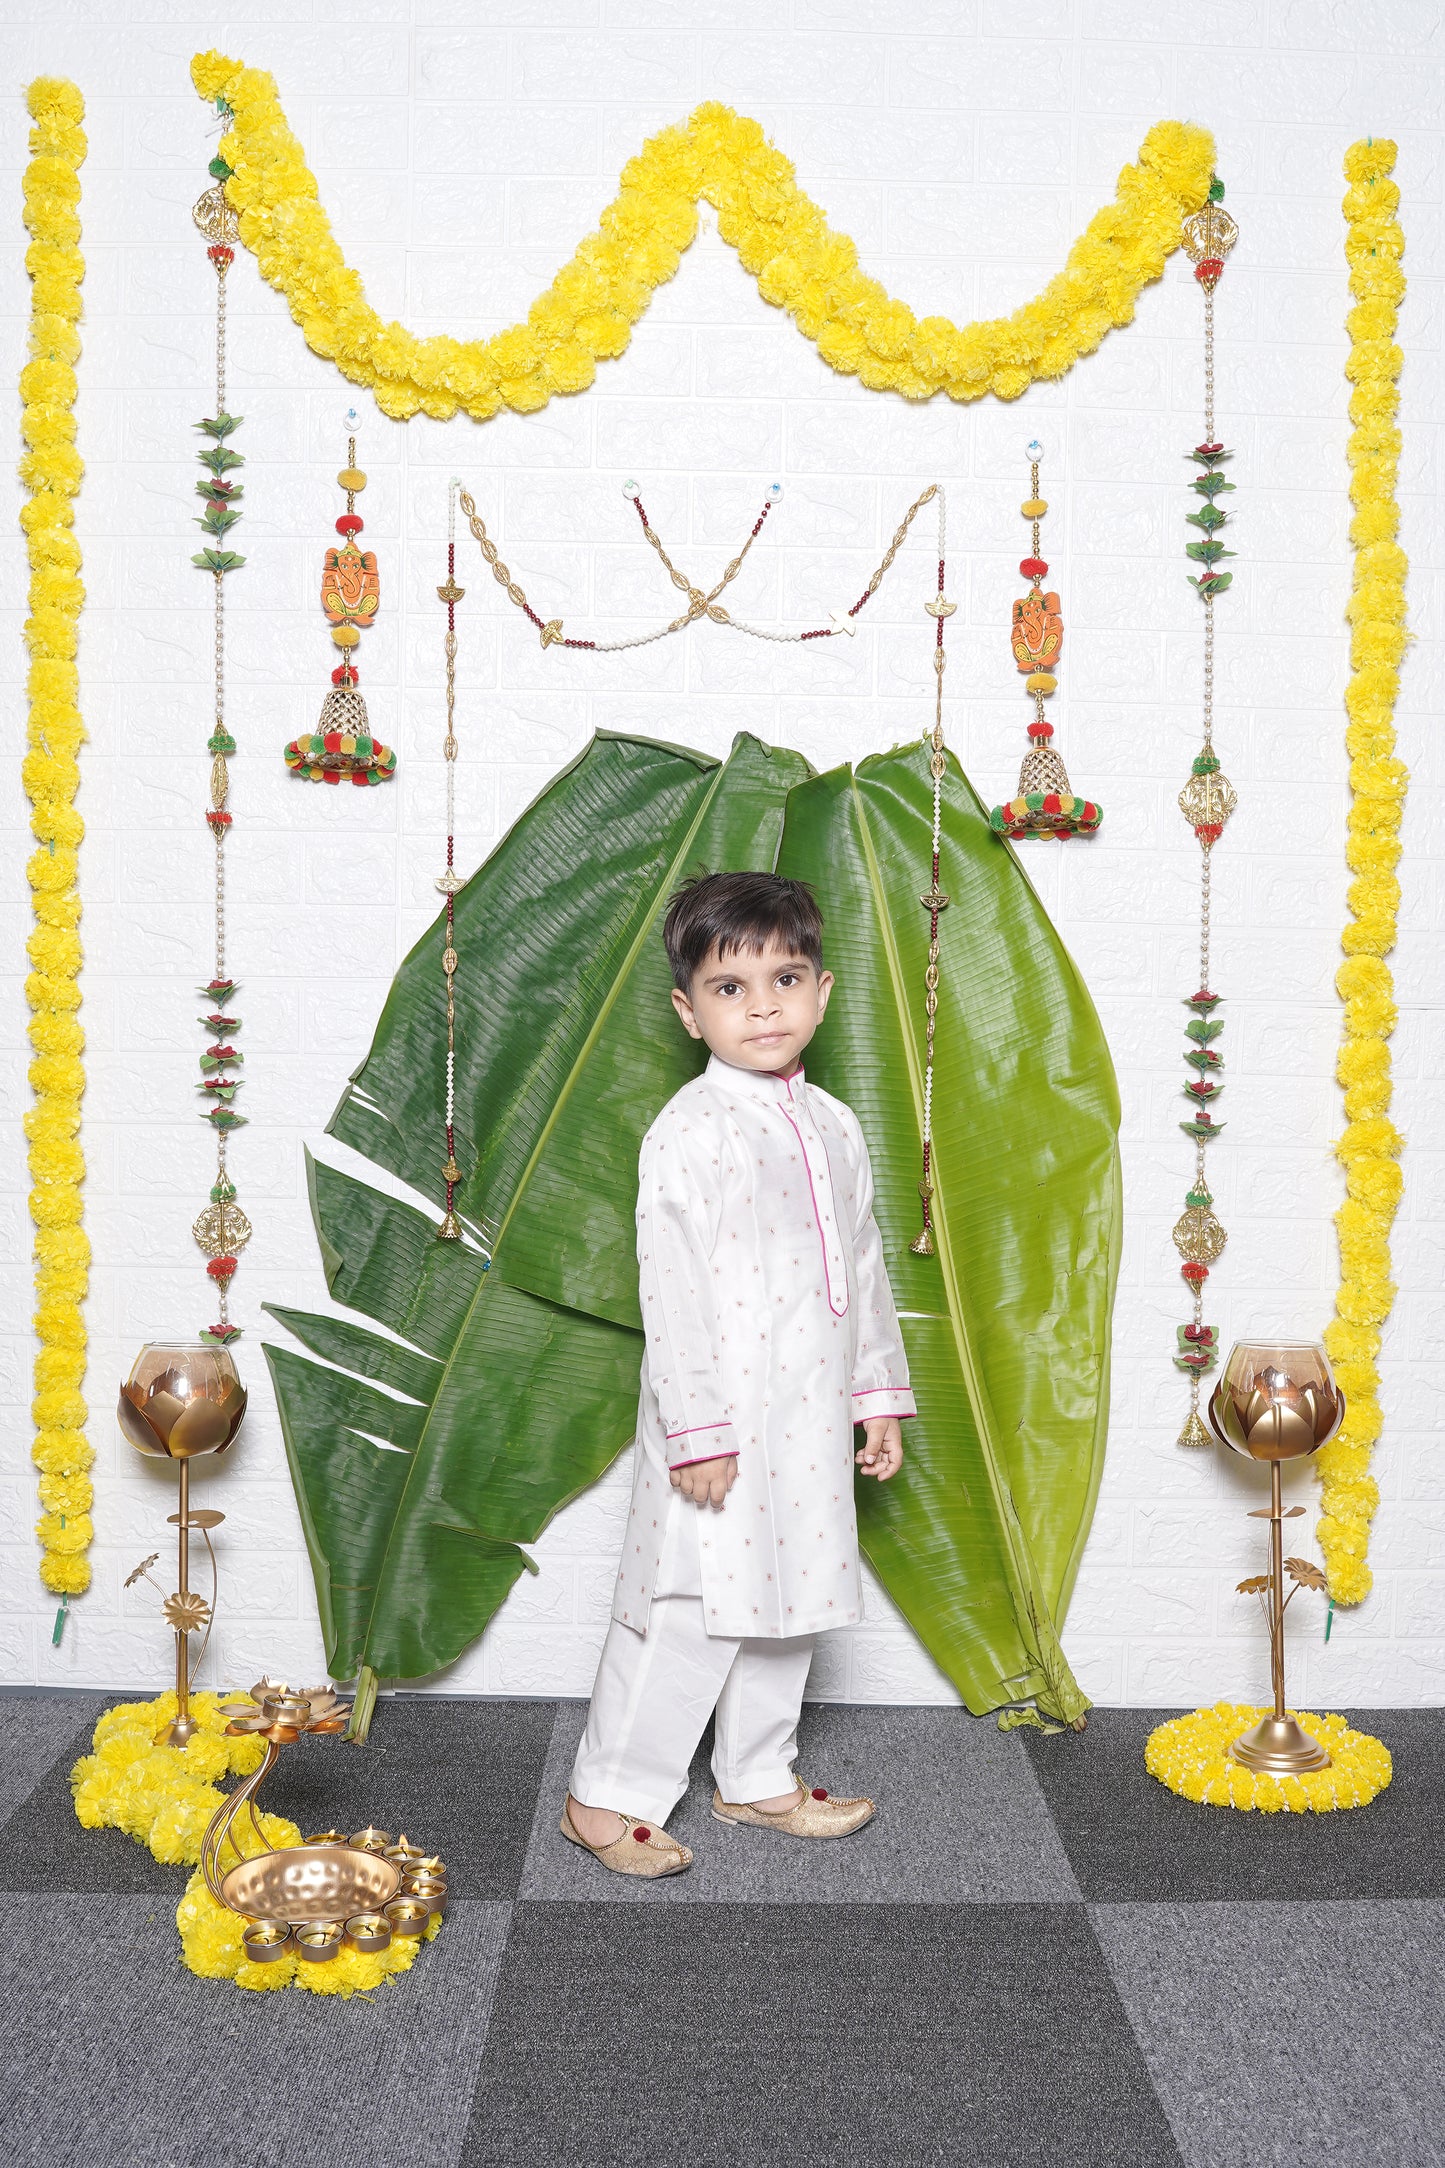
(736,911)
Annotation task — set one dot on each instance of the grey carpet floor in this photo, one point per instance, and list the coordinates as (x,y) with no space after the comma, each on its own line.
(1034,1956)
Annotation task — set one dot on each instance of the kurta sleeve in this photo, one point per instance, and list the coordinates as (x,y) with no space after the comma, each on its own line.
(880,1366)
(679,1202)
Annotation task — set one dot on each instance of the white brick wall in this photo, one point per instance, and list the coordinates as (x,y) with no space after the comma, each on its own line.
(462,152)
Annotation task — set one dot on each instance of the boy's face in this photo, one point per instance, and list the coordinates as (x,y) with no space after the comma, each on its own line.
(758,1012)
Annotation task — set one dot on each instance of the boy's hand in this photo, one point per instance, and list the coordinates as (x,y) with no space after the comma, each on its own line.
(882,1456)
(707,1482)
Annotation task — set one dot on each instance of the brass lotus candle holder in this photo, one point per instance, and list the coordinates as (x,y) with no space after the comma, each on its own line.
(182,1400)
(1276,1401)
(331,1893)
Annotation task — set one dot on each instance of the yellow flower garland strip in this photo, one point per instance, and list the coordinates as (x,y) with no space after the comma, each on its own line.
(164,1796)
(51,471)
(781,236)
(1371,1144)
(1187,1756)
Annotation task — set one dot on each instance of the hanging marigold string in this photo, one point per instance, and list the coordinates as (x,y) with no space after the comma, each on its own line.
(51,471)
(1371,1144)
(782,238)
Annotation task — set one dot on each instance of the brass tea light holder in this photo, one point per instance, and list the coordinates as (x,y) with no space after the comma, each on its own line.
(1276,1401)
(331,1893)
(181,1400)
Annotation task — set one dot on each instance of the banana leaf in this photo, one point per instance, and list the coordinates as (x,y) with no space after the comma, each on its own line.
(510,1381)
(430,1453)
(978,1538)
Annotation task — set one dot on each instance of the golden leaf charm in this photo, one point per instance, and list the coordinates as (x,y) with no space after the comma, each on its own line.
(1305,1572)
(222,1230)
(1206,802)
(552,632)
(1256,1583)
(1198,1236)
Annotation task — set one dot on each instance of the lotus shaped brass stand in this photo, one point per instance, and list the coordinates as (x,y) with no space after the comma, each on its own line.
(1277,1401)
(330,1882)
(182,1400)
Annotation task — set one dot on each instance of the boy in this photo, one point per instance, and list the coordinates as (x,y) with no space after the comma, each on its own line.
(770,1331)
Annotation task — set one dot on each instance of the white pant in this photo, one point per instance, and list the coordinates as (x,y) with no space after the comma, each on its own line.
(655,1691)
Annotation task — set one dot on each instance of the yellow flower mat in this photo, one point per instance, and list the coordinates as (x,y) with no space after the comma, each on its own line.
(1187,1756)
(164,1796)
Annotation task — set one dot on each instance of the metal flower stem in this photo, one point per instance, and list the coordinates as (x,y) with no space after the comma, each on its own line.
(1276,1585)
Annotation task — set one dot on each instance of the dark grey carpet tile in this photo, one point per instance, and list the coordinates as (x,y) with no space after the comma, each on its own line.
(960,1820)
(35,1731)
(117,2057)
(460,1774)
(1127,1837)
(1281,2033)
(989,2035)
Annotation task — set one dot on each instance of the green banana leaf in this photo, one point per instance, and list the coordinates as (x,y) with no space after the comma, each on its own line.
(978,1538)
(507,1390)
(425,1460)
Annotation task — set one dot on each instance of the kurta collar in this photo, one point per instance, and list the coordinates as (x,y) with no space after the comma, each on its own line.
(763,1086)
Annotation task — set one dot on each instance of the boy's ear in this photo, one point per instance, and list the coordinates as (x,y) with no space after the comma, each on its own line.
(684,1009)
(825,987)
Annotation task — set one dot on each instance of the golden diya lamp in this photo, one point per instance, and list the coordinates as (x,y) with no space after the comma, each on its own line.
(1277,1401)
(333,1892)
(181,1400)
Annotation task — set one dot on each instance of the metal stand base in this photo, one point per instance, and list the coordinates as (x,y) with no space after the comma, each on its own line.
(178,1732)
(1277,1746)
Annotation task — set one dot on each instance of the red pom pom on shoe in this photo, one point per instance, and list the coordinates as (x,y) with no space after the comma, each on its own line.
(641,1835)
(818,1792)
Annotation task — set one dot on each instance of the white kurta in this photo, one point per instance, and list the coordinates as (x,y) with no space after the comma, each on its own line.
(770,1331)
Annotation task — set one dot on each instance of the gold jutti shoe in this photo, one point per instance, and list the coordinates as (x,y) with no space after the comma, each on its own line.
(640,1850)
(817,1814)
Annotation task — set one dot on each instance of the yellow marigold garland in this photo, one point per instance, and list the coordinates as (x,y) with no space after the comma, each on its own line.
(781,236)
(51,471)
(1187,1756)
(164,1796)
(1371,1144)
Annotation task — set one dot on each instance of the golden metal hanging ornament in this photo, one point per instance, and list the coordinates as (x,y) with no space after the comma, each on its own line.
(1209,235)
(1198,1236)
(1206,801)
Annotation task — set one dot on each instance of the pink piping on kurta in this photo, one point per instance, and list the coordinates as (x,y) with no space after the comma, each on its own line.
(827,1274)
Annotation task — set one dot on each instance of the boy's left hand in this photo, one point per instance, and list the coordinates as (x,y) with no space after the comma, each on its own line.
(882,1456)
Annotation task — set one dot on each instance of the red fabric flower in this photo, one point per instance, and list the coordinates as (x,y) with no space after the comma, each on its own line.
(221,1268)
(1194,1274)
(1033,568)
(350,523)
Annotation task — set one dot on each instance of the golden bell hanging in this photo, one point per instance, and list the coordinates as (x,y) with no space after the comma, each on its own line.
(922,1243)
(1195,1431)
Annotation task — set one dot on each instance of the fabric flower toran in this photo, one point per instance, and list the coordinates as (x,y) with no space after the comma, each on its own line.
(51,471)
(782,238)
(1371,1144)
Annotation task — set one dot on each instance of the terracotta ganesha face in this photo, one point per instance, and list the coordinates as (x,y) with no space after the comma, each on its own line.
(350,586)
(1038,631)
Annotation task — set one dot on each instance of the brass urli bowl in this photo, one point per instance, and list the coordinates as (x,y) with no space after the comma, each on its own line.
(311,1882)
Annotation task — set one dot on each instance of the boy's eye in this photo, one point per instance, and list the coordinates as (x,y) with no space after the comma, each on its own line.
(787,978)
(730,987)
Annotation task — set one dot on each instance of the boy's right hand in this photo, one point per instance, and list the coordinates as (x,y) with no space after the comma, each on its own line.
(707,1482)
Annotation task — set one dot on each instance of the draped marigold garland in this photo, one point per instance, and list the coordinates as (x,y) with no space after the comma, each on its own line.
(51,471)
(1371,1144)
(782,237)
